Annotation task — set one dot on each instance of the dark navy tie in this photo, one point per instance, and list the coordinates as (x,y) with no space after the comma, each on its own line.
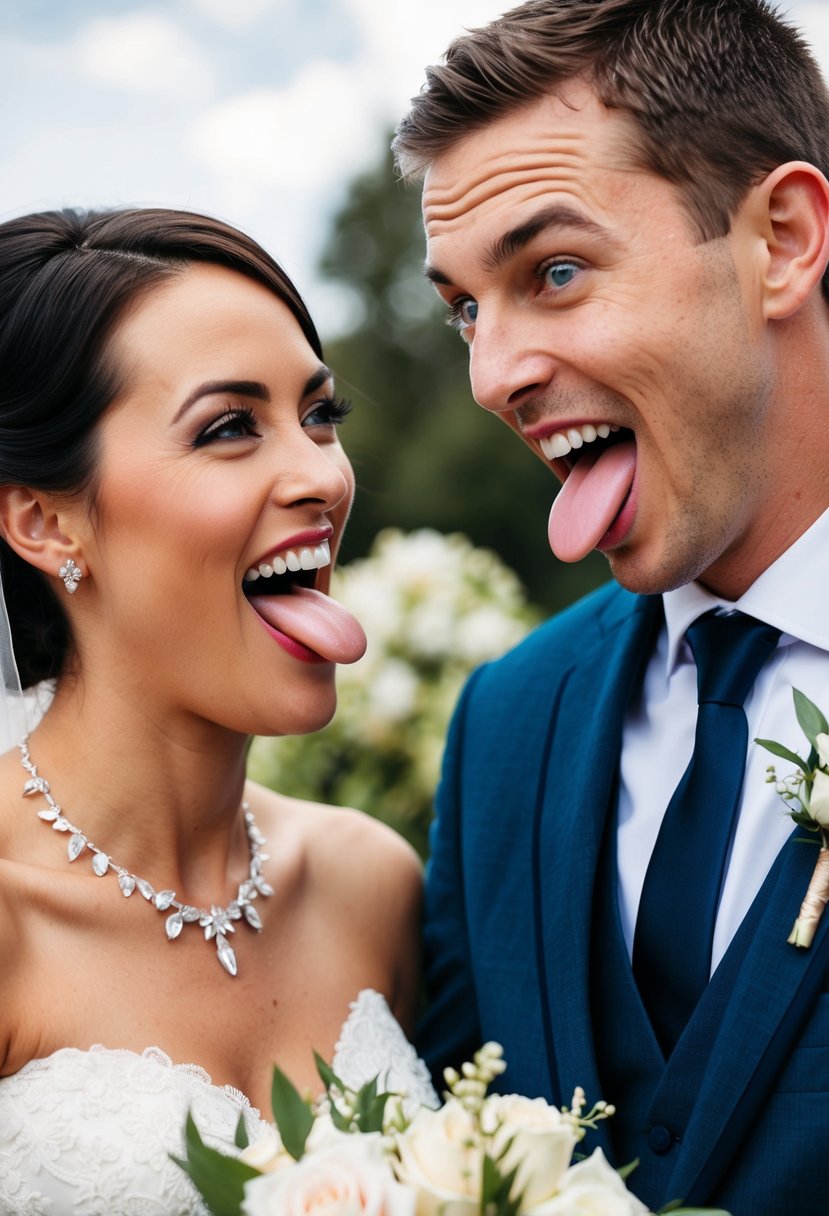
(675,925)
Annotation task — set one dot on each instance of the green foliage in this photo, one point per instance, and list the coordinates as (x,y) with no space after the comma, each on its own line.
(777,749)
(292,1114)
(424,453)
(220,1180)
(495,1190)
(811,719)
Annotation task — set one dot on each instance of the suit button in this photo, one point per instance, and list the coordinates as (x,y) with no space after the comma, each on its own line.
(660,1140)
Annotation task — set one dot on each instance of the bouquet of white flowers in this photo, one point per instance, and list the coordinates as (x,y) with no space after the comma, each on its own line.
(366,1153)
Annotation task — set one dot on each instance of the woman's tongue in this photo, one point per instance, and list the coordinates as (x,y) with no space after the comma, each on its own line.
(314,620)
(590,499)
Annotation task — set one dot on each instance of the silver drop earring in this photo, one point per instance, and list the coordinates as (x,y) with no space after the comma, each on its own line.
(71,575)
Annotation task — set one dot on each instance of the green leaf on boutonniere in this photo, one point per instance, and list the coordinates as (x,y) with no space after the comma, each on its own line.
(292,1114)
(777,749)
(219,1180)
(812,722)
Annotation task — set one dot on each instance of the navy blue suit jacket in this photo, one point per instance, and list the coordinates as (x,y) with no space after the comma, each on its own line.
(527,790)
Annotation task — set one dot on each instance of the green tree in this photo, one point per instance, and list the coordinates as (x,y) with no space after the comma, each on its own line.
(424,453)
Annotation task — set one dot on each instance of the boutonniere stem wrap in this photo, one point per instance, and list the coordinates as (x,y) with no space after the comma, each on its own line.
(806,794)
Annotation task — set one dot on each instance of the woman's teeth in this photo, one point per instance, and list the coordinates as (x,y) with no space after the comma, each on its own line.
(564,442)
(291,560)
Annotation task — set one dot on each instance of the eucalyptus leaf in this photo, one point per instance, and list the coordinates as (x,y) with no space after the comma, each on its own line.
(812,721)
(292,1114)
(219,1180)
(240,1138)
(777,749)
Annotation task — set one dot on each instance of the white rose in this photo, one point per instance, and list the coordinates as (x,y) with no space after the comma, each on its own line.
(440,1158)
(823,749)
(345,1178)
(819,797)
(267,1153)
(591,1188)
(542,1143)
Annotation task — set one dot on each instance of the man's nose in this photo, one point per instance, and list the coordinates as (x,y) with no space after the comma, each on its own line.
(507,365)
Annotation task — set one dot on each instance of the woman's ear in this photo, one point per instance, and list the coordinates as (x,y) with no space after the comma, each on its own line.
(31,523)
(791,208)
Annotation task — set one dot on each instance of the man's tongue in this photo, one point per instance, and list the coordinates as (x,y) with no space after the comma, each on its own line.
(590,499)
(315,621)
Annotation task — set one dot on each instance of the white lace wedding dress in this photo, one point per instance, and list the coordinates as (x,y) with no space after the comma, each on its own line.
(90,1132)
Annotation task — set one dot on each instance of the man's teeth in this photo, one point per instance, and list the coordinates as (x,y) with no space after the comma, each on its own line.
(564,442)
(291,560)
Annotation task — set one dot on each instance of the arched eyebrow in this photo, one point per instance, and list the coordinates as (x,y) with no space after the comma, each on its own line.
(557,215)
(249,388)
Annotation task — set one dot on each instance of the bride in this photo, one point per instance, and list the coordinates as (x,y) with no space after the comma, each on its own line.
(172,494)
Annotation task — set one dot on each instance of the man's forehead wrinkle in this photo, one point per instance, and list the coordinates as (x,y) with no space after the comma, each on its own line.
(490,175)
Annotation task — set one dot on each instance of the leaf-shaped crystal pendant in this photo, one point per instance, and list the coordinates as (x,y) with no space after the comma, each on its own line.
(35,785)
(127,883)
(146,888)
(217,923)
(76,846)
(226,954)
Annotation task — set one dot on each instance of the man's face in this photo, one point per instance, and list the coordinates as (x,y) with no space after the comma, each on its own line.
(630,356)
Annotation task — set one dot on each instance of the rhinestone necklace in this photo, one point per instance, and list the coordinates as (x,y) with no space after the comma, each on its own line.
(217,923)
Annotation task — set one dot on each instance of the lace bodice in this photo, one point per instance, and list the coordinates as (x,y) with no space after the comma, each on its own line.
(90,1132)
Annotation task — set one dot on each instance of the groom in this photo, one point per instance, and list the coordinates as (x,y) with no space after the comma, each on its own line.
(628,220)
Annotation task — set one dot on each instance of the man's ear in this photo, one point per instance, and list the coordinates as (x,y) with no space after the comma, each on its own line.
(791,207)
(32,524)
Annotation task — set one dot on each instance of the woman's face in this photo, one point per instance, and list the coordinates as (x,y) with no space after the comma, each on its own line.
(219,461)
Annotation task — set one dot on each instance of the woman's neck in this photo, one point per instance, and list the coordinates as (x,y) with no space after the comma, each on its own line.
(162,798)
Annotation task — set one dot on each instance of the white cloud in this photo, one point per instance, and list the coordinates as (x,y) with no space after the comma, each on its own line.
(144,52)
(320,127)
(235,14)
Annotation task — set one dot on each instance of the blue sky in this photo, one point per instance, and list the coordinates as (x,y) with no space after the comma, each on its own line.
(259,111)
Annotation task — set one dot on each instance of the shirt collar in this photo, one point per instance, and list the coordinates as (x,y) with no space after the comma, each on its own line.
(792,594)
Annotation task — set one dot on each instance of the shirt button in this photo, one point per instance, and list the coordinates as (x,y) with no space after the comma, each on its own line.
(660,1140)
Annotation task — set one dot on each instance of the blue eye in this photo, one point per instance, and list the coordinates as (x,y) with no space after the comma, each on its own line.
(233,424)
(462,314)
(331,411)
(560,274)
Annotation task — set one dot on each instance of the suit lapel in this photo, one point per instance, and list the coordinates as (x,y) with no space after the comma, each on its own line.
(573,802)
(750,1017)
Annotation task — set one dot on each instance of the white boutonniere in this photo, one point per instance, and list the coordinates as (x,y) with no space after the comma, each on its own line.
(806,793)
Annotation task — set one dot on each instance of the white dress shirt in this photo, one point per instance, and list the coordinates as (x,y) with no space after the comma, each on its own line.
(658,738)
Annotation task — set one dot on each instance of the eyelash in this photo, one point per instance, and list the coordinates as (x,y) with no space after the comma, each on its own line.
(240,418)
(336,410)
(243,420)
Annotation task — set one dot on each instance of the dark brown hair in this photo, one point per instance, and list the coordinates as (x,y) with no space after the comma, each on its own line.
(66,279)
(721,91)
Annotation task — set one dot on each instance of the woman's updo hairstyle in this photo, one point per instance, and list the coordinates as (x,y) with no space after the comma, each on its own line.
(66,279)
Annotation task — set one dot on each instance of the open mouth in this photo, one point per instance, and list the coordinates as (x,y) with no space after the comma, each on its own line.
(578,441)
(595,506)
(284,571)
(307,623)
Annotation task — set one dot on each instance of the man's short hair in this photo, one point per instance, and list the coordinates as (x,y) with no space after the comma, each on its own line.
(721,91)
